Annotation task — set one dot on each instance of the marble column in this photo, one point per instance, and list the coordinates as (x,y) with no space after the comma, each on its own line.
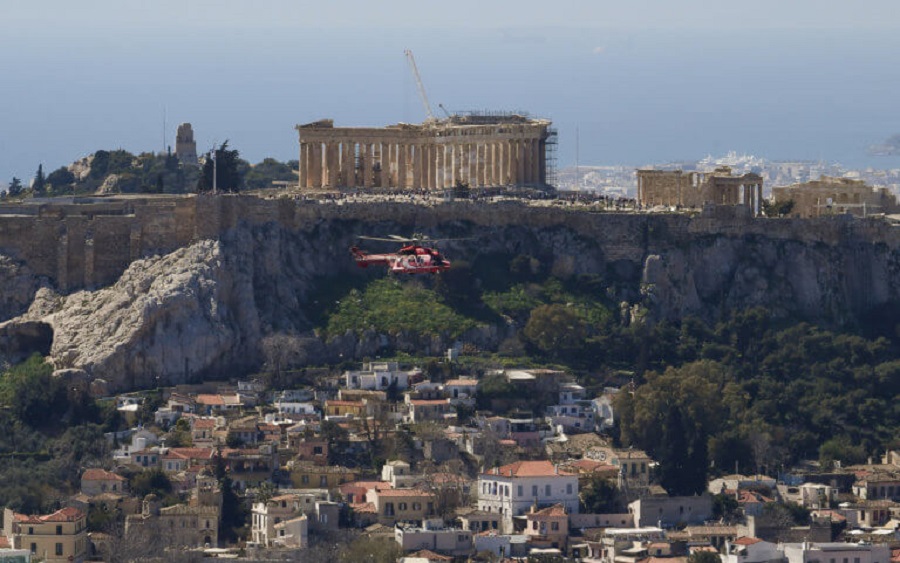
(367,164)
(520,162)
(304,165)
(316,166)
(401,165)
(535,162)
(333,159)
(346,167)
(512,169)
(441,168)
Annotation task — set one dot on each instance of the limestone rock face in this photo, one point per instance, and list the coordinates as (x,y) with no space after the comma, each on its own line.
(165,321)
(207,309)
(18,286)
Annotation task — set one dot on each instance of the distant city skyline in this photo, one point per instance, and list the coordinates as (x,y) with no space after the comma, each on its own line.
(646,82)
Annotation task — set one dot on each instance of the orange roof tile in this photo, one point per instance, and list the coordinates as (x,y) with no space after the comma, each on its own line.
(746,540)
(555,510)
(541,468)
(101,475)
(215,400)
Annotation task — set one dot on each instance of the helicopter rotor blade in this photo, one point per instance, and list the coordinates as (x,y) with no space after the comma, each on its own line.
(378,238)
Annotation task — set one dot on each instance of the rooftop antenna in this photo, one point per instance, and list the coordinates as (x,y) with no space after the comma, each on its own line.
(165,126)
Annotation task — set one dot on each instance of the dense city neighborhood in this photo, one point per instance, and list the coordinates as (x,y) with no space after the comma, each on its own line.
(438,467)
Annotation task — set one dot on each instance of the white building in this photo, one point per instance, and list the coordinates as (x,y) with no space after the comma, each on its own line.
(751,550)
(433,536)
(268,519)
(512,489)
(292,407)
(378,376)
(836,553)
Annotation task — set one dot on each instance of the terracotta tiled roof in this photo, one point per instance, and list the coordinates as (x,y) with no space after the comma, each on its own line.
(101,475)
(193,453)
(589,466)
(204,423)
(895,556)
(428,402)
(363,507)
(745,540)
(555,510)
(4,542)
(334,403)
(213,400)
(68,514)
(528,469)
(369,485)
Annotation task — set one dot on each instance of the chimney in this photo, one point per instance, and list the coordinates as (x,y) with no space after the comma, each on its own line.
(556,469)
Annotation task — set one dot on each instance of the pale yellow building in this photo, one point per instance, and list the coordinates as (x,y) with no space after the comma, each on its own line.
(57,537)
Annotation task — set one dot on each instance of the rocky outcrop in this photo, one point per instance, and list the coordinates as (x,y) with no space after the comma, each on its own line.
(167,320)
(208,308)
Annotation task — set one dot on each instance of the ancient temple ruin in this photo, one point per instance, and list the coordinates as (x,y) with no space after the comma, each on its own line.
(471,150)
(675,188)
(833,196)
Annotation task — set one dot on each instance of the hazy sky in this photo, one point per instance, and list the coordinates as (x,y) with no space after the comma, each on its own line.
(643,81)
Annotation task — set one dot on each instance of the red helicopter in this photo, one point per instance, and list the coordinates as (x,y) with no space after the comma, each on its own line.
(412,258)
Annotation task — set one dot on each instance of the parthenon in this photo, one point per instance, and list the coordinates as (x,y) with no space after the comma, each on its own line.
(471,150)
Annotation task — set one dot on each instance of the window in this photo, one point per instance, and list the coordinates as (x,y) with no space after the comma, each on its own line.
(323,481)
(417,506)
(59,529)
(554,526)
(519,491)
(30,530)
(534,491)
(401,506)
(569,488)
(547,490)
(33,548)
(59,550)
(304,479)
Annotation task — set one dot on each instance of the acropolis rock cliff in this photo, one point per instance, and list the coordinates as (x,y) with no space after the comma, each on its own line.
(149,291)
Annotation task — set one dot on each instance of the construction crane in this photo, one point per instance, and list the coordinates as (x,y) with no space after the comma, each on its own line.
(419,85)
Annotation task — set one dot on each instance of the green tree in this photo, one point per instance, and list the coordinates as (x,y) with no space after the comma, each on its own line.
(153,481)
(39,186)
(374,550)
(556,330)
(599,496)
(704,557)
(30,390)
(227,166)
(61,180)
(15,187)
(262,175)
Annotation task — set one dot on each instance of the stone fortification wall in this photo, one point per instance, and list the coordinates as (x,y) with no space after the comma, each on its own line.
(84,245)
